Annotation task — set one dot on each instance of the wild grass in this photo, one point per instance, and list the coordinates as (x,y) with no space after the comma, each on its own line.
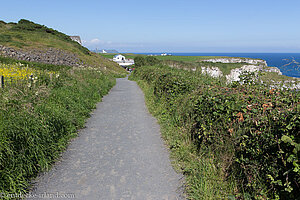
(38,120)
(38,117)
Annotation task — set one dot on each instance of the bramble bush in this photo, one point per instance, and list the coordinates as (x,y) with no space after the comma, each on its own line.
(253,131)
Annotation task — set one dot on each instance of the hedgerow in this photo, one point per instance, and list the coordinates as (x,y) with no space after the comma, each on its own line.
(252,130)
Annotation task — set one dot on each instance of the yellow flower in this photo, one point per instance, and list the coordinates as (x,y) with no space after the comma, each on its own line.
(18,71)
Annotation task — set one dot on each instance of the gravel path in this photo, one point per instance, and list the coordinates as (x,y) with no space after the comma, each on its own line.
(119,155)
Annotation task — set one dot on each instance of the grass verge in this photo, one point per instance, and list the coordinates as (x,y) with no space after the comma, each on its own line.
(38,120)
(203,179)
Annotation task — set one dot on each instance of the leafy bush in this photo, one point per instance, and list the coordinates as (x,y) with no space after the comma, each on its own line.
(252,131)
(148,60)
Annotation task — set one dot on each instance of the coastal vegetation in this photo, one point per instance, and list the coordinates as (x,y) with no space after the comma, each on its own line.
(231,141)
(43,105)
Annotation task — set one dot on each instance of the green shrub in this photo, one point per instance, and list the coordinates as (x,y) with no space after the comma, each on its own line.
(252,131)
(145,60)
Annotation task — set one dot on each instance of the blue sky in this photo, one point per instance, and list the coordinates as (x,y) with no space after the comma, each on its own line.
(169,25)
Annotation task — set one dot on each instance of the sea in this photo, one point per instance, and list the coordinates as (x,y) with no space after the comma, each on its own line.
(288,63)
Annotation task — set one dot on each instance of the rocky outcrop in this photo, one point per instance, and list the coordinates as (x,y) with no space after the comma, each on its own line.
(256,65)
(212,71)
(48,56)
(273,69)
(235,73)
(237,60)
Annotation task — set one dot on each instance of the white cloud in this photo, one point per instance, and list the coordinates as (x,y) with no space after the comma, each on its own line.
(101,44)
(95,41)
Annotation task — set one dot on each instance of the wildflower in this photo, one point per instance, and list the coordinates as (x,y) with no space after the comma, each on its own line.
(240,115)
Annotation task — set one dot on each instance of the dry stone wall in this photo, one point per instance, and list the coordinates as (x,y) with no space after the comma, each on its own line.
(48,56)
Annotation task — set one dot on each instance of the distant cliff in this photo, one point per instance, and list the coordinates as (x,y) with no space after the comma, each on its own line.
(237,60)
(256,65)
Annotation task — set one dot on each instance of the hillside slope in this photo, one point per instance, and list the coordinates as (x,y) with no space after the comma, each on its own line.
(29,41)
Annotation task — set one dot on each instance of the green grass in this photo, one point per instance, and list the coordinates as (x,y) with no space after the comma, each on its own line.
(37,121)
(268,76)
(186,58)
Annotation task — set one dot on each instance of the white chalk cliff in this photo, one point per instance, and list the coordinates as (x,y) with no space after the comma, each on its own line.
(212,71)
(237,60)
(255,66)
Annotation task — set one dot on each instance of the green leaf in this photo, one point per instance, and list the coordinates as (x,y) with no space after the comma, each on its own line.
(286,139)
(231,197)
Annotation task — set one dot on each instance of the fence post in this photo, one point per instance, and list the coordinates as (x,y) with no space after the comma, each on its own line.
(2,81)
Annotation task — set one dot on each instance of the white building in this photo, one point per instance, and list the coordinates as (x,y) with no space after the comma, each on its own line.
(119,58)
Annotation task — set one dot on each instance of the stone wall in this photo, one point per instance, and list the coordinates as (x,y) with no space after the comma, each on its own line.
(48,56)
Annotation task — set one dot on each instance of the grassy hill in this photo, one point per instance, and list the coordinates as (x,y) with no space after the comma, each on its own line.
(26,36)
